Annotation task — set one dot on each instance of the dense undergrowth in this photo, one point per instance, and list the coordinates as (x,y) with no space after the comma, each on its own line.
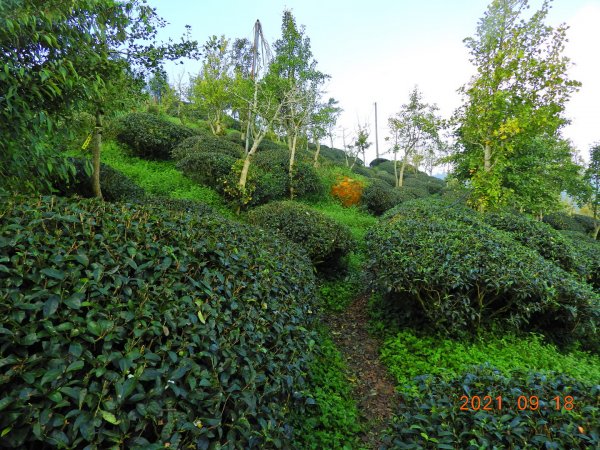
(453,290)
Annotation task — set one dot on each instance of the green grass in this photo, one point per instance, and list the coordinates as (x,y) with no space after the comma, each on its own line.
(333,422)
(408,355)
(161,178)
(359,221)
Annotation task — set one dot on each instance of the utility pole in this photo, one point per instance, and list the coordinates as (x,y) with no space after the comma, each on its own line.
(376,135)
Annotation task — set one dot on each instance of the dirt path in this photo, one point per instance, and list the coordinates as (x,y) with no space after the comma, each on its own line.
(373,386)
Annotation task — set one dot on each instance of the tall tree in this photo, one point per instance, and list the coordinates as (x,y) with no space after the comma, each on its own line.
(299,83)
(415,129)
(361,142)
(517,96)
(322,122)
(212,87)
(64,56)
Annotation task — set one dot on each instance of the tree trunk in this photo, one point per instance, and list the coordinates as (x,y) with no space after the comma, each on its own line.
(396,179)
(401,177)
(318,144)
(596,230)
(292,143)
(96,147)
(487,158)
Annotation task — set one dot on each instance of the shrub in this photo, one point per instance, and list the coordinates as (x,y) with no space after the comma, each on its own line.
(388,178)
(148,328)
(276,162)
(587,255)
(377,161)
(115,185)
(362,170)
(424,183)
(348,191)
(444,266)
(326,241)
(192,207)
(538,236)
(269,145)
(408,192)
(433,418)
(378,197)
(150,136)
(564,221)
(206,143)
(333,155)
(207,168)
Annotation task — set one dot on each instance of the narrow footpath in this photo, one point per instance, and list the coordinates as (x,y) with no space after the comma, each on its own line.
(373,385)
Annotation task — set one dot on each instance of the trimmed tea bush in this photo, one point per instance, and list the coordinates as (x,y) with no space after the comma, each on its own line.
(538,236)
(388,178)
(207,168)
(276,162)
(206,143)
(115,185)
(178,205)
(444,266)
(140,327)
(575,222)
(149,136)
(433,418)
(326,241)
(379,196)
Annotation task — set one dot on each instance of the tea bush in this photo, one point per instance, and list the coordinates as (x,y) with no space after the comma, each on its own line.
(442,265)
(433,418)
(206,143)
(207,168)
(150,136)
(276,162)
(538,236)
(326,241)
(140,327)
(378,197)
(575,222)
(115,185)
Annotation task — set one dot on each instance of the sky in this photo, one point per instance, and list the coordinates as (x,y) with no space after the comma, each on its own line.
(379,50)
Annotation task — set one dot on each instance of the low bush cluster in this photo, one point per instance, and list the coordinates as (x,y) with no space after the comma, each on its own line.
(443,265)
(326,241)
(207,168)
(140,327)
(534,411)
(150,136)
(206,143)
(574,222)
(115,185)
(378,196)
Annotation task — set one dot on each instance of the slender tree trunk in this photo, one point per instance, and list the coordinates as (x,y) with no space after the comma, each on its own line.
(596,230)
(396,179)
(96,147)
(487,158)
(401,177)
(318,144)
(292,144)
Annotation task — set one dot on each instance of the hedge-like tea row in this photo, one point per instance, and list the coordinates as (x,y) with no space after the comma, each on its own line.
(136,326)
(326,241)
(444,265)
(150,136)
(523,411)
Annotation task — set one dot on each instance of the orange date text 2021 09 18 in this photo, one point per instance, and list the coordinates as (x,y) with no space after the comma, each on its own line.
(523,403)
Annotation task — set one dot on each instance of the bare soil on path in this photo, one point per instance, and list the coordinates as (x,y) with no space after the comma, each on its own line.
(373,385)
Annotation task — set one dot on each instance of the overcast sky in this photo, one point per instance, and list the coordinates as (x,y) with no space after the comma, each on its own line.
(378,50)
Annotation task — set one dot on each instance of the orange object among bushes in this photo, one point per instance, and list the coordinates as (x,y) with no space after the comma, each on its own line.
(348,191)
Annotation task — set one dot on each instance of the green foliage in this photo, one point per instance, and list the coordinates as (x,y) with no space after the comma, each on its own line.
(354,218)
(378,197)
(587,254)
(333,155)
(276,163)
(63,59)
(408,355)
(116,186)
(161,178)
(150,136)
(432,418)
(443,265)
(143,327)
(326,241)
(333,421)
(377,161)
(564,221)
(549,243)
(205,143)
(192,207)
(207,168)
(388,178)
(336,295)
